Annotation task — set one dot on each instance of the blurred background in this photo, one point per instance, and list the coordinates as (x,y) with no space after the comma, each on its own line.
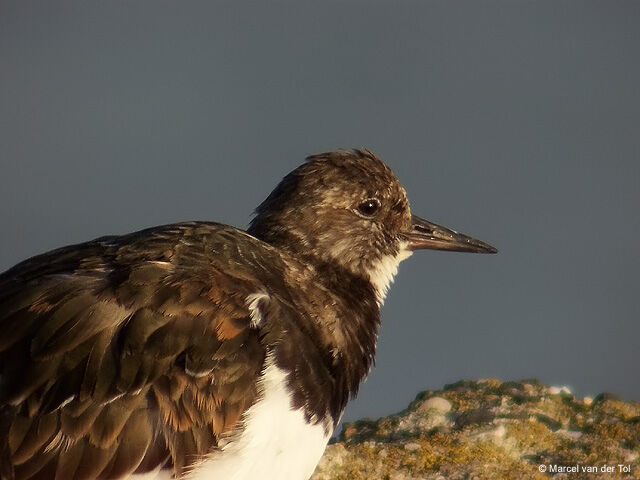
(514,122)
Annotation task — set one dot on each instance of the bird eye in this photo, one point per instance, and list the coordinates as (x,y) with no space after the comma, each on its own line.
(368,208)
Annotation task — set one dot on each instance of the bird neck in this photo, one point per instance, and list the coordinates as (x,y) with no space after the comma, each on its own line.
(348,326)
(334,263)
(347,313)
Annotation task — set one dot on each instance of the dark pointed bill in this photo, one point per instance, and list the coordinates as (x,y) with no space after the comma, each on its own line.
(425,234)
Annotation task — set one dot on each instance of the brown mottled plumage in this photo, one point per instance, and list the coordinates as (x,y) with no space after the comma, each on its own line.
(133,352)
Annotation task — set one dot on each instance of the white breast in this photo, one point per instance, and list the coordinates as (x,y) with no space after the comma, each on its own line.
(276,444)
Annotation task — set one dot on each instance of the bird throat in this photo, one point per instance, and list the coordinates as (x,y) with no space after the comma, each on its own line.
(384,270)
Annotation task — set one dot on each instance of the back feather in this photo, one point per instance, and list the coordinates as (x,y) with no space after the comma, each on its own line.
(126,353)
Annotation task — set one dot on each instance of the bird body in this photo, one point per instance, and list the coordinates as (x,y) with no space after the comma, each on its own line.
(201,351)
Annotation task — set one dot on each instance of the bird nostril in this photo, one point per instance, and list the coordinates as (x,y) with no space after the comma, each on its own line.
(422,229)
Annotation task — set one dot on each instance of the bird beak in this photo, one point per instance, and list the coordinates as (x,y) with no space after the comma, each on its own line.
(424,234)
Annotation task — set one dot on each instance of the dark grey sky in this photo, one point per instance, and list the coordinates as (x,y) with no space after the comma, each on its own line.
(516,122)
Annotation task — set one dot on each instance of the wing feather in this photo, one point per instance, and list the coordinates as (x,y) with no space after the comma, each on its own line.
(125,352)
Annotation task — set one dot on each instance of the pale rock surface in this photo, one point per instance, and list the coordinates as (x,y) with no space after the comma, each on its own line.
(490,430)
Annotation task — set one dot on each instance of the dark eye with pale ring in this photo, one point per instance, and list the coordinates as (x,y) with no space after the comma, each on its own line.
(369,207)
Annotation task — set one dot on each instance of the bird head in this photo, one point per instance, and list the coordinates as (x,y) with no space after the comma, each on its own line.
(348,209)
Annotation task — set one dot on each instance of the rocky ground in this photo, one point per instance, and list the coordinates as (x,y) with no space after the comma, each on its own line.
(495,431)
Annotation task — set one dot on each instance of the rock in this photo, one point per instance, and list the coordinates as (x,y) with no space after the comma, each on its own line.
(490,430)
(474,416)
(412,447)
(559,390)
(435,404)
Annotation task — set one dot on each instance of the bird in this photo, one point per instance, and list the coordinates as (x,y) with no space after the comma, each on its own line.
(197,350)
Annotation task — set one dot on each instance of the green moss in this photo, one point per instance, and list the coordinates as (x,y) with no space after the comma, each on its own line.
(539,428)
(531,435)
(616,408)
